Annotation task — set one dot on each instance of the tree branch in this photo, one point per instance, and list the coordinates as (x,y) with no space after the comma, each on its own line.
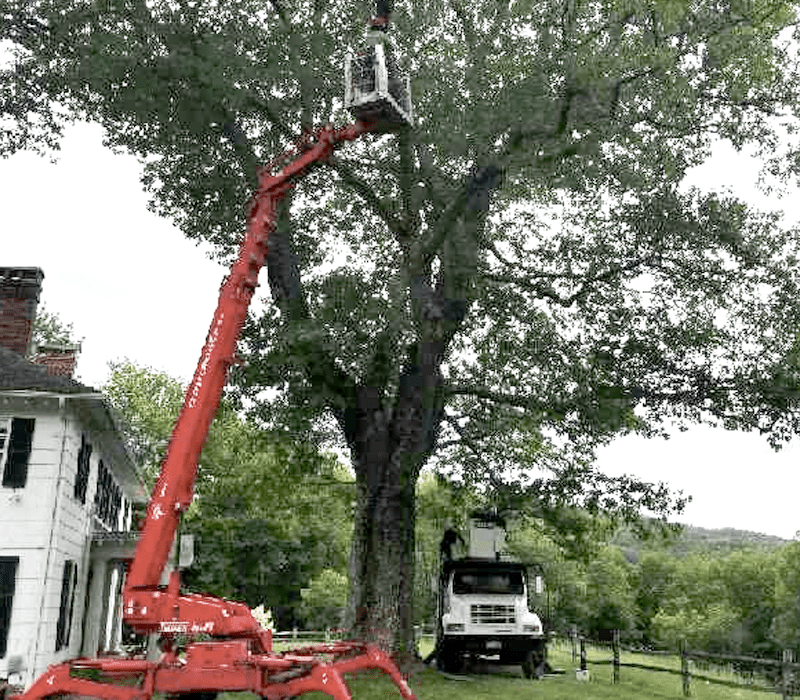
(546,291)
(362,188)
(463,438)
(429,174)
(272,114)
(419,407)
(549,409)
(405,144)
(470,35)
(25,31)
(245,153)
(473,196)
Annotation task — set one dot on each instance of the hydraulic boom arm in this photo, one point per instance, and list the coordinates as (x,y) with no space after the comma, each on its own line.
(239,656)
(146,608)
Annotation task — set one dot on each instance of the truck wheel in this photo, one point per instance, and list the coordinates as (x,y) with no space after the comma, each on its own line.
(530,664)
(449,660)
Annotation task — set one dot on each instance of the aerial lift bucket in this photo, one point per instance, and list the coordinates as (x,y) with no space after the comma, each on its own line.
(375,89)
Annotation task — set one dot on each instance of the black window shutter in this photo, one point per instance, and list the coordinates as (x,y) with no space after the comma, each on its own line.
(15,473)
(82,477)
(73,587)
(68,584)
(8,576)
(100,495)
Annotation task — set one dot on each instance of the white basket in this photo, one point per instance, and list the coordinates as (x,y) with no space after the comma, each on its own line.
(374,88)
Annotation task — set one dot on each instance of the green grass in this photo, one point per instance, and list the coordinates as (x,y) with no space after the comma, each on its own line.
(507,683)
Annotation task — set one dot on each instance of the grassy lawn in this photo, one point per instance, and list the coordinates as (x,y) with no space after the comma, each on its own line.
(507,683)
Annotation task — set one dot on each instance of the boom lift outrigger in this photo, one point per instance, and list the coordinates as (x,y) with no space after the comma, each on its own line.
(239,656)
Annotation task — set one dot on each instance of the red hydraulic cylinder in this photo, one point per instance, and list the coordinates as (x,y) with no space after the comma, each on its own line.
(173,490)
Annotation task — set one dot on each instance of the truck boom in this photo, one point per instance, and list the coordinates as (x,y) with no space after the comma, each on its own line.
(173,491)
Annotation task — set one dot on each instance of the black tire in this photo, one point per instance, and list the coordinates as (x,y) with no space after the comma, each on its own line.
(449,660)
(530,665)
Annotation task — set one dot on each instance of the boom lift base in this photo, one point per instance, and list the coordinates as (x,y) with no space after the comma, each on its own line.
(206,668)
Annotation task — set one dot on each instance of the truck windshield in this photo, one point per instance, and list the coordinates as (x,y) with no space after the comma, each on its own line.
(509,582)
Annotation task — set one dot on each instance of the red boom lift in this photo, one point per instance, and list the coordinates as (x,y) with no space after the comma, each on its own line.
(239,655)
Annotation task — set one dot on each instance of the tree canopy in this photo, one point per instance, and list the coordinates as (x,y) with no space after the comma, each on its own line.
(499,289)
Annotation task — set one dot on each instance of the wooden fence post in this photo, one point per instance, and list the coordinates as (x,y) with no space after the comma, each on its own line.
(615,650)
(786,674)
(685,669)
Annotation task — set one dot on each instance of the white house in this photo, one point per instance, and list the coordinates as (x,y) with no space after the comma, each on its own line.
(67,491)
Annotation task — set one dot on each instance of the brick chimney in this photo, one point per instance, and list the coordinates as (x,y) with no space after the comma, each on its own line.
(59,360)
(19,297)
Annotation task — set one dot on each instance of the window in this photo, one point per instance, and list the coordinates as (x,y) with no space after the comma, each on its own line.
(8,575)
(15,450)
(69,583)
(108,498)
(82,477)
(480,581)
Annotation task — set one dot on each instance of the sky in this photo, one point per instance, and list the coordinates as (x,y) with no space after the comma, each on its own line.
(134,287)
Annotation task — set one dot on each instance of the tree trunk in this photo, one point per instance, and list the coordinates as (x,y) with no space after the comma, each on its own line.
(390,440)
(390,448)
(382,560)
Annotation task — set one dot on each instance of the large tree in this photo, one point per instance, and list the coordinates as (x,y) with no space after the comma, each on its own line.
(498,290)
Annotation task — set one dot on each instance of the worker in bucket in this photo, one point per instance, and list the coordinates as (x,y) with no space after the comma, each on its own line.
(451,536)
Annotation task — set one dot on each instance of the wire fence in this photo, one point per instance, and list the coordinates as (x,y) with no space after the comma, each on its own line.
(332,634)
(296,636)
(781,676)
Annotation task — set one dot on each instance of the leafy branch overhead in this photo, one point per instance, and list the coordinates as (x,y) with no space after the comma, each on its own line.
(563,99)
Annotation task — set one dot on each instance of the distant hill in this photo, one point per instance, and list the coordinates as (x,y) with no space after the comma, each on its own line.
(693,539)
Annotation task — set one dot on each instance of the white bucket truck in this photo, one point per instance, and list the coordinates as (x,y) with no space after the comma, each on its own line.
(484,606)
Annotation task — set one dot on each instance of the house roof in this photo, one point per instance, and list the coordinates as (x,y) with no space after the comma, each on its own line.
(20,376)
(17,373)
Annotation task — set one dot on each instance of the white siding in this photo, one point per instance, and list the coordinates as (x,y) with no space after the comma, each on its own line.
(70,542)
(44,525)
(25,609)
(26,517)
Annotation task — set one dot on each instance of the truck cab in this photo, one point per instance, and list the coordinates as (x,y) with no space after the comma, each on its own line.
(484,608)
